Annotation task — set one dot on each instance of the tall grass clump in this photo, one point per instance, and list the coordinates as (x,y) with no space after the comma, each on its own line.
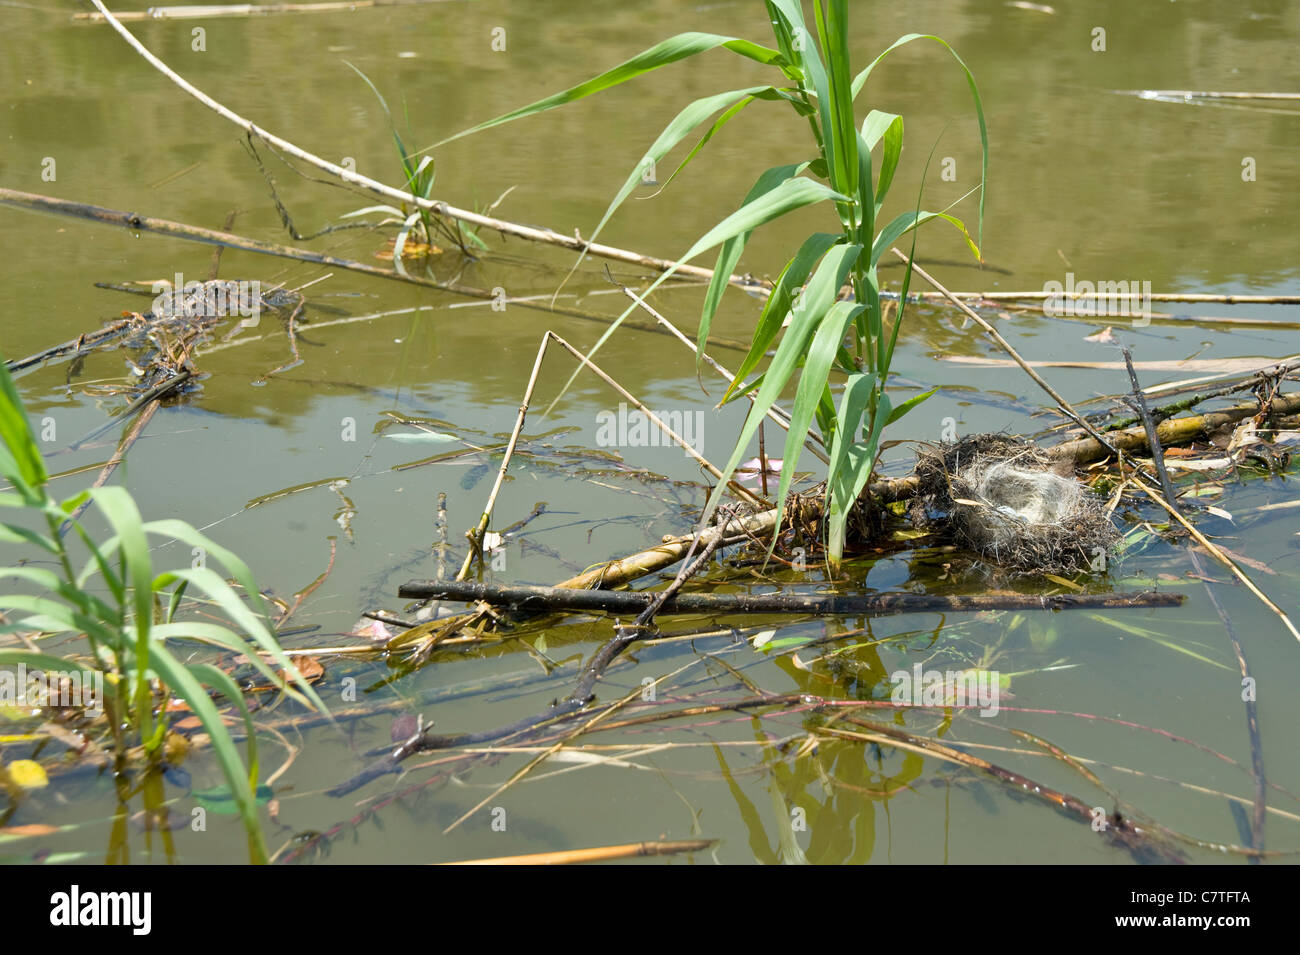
(127,615)
(819,335)
(418,179)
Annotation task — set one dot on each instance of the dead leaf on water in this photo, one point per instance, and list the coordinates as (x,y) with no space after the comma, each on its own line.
(311,669)
(31,829)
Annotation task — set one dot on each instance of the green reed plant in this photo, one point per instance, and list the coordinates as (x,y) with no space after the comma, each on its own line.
(822,336)
(418,179)
(127,615)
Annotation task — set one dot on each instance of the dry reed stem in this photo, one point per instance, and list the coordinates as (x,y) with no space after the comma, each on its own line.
(774,412)
(530,233)
(1221,557)
(597,854)
(563,741)
(1006,346)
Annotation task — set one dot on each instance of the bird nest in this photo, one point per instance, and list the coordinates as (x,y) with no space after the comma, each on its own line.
(1002,498)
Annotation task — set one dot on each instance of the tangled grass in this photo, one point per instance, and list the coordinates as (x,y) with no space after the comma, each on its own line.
(1004,499)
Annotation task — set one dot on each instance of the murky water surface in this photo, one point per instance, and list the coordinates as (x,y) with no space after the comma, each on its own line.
(1083,180)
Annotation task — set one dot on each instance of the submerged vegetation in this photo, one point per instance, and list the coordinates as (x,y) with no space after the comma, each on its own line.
(132,623)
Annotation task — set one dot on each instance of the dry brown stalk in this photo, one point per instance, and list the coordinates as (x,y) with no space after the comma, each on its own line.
(598,853)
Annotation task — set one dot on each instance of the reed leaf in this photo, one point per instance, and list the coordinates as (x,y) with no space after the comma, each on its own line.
(661,54)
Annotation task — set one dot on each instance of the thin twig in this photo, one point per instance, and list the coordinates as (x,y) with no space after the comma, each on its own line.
(141,223)
(1154,296)
(774,412)
(1006,346)
(598,854)
(1223,558)
(738,488)
(1139,404)
(476,536)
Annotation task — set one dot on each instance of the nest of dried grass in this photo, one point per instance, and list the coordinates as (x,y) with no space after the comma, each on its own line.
(1002,498)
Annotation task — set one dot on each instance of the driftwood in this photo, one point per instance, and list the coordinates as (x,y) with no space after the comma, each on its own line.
(530,233)
(1081,451)
(210,11)
(534,599)
(191,233)
(1197,297)
(1173,431)
(649,604)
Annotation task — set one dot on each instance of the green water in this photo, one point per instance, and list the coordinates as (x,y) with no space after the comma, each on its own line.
(1082,179)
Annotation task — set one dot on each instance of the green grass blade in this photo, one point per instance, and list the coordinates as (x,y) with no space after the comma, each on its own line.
(1157,638)
(861,79)
(98,561)
(43,661)
(835,99)
(908,405)
(858,389)
(844,487)
(225,597)
(187,686)
(124,517)
(887,352)
(865,284)
(13,534)
(888,126)
(904,222)
(217,635)
(814,303)
(730,254)
(23,455)
(392,126)
(786,18)
(87,603)
(812,383)
(790,195)
(792,277)
(661,54)
(54,616)
(37,574)
(223,684)
(787,197)
(727,116)
(682,125)
(399,243)
(235,566)
(387,210)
